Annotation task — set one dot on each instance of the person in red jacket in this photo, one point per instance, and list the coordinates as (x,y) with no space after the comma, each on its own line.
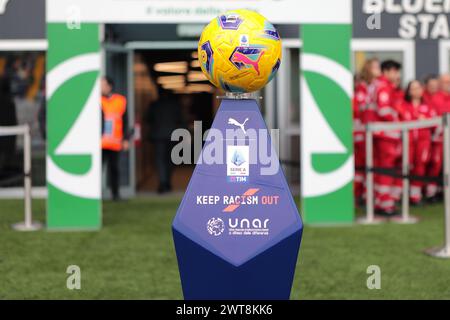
(441,104)
(363,110)
(386,144)
(431,88)
(420,139)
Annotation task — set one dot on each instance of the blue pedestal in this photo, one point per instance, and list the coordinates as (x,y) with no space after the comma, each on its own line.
(237,231)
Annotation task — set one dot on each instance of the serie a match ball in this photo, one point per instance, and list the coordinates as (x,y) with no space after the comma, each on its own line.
(240,51)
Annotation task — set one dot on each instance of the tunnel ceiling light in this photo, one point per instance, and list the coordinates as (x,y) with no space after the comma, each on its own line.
(198,86)
(170,79)
(174,85)
(196,76)
(195,88)
(174,67)
(194,55)
(195,64)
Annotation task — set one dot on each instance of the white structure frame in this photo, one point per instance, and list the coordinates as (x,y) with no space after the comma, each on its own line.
(28,224)
(444,56)
(405,46)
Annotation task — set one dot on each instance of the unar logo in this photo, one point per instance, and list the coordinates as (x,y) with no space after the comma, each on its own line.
(248,224)
(248,227)
(215,226)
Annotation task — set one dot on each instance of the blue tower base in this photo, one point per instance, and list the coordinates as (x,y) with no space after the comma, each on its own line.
(268,276)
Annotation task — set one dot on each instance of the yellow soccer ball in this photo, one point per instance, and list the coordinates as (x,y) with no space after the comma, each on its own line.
(239,51)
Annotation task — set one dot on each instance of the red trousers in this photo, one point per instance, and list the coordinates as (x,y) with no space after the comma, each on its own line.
(434,167)
(386,153)
(422,153)
(360,162)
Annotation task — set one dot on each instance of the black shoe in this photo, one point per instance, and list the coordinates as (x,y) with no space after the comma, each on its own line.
(416,204)
(361,203)
(163,189)
(160,189)
(432,200)
(386,214)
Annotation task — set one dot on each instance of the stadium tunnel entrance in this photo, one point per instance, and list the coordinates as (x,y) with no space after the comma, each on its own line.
(147,72)
(172,76)
(149,78)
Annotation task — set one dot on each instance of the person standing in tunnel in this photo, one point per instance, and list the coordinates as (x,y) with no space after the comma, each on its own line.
(114,132)
(163,117)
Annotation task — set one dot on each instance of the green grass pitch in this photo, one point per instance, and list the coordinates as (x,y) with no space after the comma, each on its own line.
(133,257)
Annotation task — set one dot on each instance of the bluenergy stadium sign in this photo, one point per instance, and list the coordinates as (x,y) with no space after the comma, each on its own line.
(423,19)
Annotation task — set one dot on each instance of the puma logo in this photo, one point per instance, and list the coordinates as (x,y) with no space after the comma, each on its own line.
(237,124)
(242,58)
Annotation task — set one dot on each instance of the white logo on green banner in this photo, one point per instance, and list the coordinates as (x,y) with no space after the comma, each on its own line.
(73,127)
(327,145)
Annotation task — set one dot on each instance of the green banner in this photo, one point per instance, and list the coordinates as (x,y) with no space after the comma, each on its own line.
(73,127)
(326,122)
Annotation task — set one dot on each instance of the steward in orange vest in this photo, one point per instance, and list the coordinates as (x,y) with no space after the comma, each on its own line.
(114,126)
(113,109)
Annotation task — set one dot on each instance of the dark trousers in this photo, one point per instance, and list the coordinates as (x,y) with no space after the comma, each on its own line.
(111,160)
(163,162)
(7,151)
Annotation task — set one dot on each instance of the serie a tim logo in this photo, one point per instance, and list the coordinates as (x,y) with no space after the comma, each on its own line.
(237,179)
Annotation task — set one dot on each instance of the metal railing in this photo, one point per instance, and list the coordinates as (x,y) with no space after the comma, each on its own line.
(404,127)
(444,251)
(28,224)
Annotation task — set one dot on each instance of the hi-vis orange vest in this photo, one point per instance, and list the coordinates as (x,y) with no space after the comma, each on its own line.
(113,109)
